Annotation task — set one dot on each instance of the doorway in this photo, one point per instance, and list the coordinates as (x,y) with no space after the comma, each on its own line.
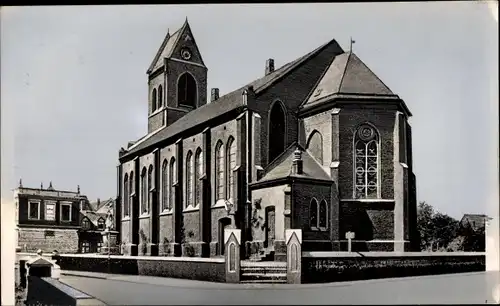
(270,227)
(223,224)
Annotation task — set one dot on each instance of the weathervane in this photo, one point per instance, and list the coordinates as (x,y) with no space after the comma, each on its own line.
(352,42)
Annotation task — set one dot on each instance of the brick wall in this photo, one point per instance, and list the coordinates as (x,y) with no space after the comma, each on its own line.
(175,70)
(322,123)
(48,240)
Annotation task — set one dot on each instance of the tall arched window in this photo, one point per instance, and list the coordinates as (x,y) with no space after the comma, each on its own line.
(323,215)
(144,191)
(198,168)
(189,179)
(366,142)
(150,187)
(277,131)
(164,186)
(160,96)
(125,196)
(186,90)
(173,180)
(230,164)
(313,214)
(219,170)
(315,146)
(153,101)
(131,187)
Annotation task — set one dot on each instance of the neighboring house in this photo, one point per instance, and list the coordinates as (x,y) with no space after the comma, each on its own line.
(320,144)
(475,221)
(93,223)
(48,219)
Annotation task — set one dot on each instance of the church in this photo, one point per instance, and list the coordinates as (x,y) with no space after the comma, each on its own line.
(320,144)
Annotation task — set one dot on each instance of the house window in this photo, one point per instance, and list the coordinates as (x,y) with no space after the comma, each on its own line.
(366,142)
(66,212)
(189,179)
(34,210)
(153,101)
(186,90)
(313,214)
(144,191)
(99,247)
(315,146)
(231,164)
(126,196)
(50,211)
(219,170)
(160,96)
(85,224)
(323,215)
(100,223)
(85,247)
(150,187)
(198,168)
(164,186)
(173,178)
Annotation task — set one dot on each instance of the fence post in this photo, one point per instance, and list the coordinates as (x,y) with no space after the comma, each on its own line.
(293,255)
(232,242)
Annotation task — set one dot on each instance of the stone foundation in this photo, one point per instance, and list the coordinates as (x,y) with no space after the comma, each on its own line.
(128,249)
(280,250)
(192,249)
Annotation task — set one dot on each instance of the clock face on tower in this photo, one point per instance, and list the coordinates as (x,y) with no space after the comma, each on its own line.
(185,54)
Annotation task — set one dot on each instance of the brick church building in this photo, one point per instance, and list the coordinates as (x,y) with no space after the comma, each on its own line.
(320,144)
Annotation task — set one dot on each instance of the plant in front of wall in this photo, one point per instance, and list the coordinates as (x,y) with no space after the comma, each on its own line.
(144,240)
(257,220)
(166,246)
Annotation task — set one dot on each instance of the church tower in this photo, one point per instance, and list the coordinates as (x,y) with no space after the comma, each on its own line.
(177,79)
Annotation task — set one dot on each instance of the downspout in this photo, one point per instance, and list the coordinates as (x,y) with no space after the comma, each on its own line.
(248,169)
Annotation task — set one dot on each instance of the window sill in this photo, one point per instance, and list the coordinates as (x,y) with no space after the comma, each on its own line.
(220,203)
(127,218)
(166,212)
(144,216)
(156,112)
(191,208)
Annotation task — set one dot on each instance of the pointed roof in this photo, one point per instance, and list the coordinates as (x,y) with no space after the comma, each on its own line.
(223,105)
(169,43)
(281,167)
(347,74)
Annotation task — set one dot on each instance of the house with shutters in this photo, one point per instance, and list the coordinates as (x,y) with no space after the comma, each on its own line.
(319,144)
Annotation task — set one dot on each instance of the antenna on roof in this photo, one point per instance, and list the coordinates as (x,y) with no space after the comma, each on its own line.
(352,42)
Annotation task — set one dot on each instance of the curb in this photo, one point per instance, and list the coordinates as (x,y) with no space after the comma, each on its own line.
(83,275)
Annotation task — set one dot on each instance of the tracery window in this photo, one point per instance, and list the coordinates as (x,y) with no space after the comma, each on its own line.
(231,164)
(198,168)
(173,178)
(164,186)
(366,142)
(219,170)
(189,179)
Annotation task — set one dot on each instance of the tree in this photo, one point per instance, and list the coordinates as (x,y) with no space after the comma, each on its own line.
(425,213)
(436,230)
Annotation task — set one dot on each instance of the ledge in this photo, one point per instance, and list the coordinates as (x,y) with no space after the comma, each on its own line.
(156,258)
(190,209)
(145,216)
(166,212)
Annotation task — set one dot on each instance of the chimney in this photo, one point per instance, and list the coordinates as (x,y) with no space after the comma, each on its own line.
(98,203)
(215,94)
(297,164)
(269,66)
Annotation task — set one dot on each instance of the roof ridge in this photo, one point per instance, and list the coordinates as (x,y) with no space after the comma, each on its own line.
(374,74)
(272,165)
(345,70)
(184,26)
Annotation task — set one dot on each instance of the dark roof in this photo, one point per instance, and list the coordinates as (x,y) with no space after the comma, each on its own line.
(93,216)
(475,220)
(347,74)
(223,105)
(281,167)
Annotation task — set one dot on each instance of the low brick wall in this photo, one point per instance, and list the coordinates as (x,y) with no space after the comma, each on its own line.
(48,240)
(322,267)
(205,269)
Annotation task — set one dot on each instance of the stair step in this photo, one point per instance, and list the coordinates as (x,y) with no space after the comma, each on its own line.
(264,275)
(264,281)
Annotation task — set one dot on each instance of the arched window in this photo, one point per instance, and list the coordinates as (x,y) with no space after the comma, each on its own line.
(313,214)
(153,101)
(144,191)
(315,146)
(189,179)
(131,187)
(173,180)
(366,142)
(100,223)
(186,90)
(198,168)
(230,164)
(277,131)
(164,186)
(160,96)
(125,196)
(219,170)
(323,215)
(85,223)
(150,187)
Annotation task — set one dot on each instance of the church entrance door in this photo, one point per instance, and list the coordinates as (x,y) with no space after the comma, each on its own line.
(270,227)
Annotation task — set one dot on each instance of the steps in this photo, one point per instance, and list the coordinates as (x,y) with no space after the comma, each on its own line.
(263,272)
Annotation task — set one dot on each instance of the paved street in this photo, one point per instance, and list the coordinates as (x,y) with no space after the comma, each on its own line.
(470,288)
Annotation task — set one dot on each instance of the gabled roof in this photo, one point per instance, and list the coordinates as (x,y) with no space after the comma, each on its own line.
(93,216)
(475,220)
(347,74)
(223,105)
(281,167)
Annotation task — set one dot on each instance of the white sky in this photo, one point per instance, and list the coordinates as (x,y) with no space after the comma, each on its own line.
(74,85)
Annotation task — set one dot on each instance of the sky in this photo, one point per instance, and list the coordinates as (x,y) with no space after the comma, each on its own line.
(74,83)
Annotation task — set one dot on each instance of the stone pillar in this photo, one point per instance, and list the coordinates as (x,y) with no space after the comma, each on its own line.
(232,243)
(177,209)
(335,143)
(154,207)
(205,218)
(119,200)
(109,242)
(294,255)
(242,175)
